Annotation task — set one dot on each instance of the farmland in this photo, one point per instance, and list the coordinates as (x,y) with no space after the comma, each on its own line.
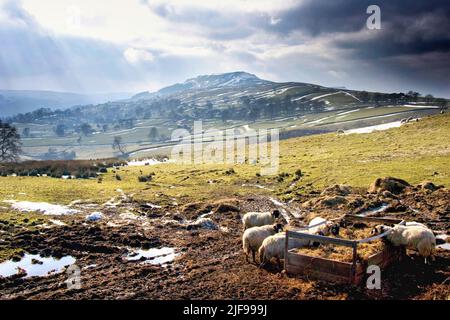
(207,261)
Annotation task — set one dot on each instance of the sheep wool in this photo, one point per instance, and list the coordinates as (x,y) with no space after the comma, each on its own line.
(257,219)
(253,238)
(273,246)
(413,237)
(325,228)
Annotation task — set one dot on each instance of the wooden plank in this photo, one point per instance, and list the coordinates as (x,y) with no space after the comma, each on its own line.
(320,275)
(385,258)
(338,268)
(321,239)
(286,248)
(353,271)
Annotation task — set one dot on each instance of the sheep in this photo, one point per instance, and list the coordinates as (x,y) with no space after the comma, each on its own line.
(415,224)
(254,236)
(413,237)
(325,228)
(258,219)
(273,246)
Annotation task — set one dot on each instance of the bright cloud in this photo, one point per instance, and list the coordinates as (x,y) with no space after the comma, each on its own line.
(138,55)
(136,45)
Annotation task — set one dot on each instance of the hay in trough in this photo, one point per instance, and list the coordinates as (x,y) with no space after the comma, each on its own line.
(345,254)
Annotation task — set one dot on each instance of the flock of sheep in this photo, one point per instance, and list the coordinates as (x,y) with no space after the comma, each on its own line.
(264,236)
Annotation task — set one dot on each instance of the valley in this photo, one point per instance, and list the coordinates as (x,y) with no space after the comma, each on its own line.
(180,255)
(145,122)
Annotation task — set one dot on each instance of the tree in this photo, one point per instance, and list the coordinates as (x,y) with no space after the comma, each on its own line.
(153,134)
(414,95)
(429,98)
(86,129)
(26,132)
(118,145)
(364,96)
(253,114)
(376,98)
(209,105)
(10,145)
(60,130)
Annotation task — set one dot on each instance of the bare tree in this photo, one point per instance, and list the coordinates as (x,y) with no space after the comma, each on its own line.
(10,145)
(118,145)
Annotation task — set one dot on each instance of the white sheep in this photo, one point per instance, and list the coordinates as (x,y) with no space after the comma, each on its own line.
(273,247)
(258,219)
(254,236)
(412,237)
(325,227)
(415,224)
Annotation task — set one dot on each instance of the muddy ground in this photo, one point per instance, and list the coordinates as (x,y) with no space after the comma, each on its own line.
(210,263)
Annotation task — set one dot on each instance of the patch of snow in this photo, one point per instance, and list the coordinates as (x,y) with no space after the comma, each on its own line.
(347,112)
(57,222)
(127,215)
(378,127)
(205,223)
(94,216)
(153,206)
(256,186)
(300,98)
(153,256)
(373,211)
(145,162)
(206,214)
(319,120)
(42,207)
(282,209)
(334,93)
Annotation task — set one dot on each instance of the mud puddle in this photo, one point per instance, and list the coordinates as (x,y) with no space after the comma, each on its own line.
(35,265)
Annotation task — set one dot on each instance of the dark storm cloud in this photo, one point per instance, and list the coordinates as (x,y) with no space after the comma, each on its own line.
(423,30)
(408,27)
(412,32)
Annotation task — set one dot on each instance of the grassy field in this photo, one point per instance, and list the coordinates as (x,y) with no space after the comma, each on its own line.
(417,151)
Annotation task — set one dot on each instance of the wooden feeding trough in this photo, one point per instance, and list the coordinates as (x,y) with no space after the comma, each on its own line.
(340,271)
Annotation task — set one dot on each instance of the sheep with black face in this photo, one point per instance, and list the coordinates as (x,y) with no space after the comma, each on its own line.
(273,246)
(414,237)
(324,227)
(254,236)
(258,219)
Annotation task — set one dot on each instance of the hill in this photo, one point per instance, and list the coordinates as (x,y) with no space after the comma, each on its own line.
(231,100)
(13,102)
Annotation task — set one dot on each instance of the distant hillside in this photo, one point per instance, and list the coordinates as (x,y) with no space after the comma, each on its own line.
(232,80)
(13,102)
(234,96)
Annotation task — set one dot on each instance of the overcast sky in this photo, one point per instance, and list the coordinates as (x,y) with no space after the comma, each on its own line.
(137,45)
